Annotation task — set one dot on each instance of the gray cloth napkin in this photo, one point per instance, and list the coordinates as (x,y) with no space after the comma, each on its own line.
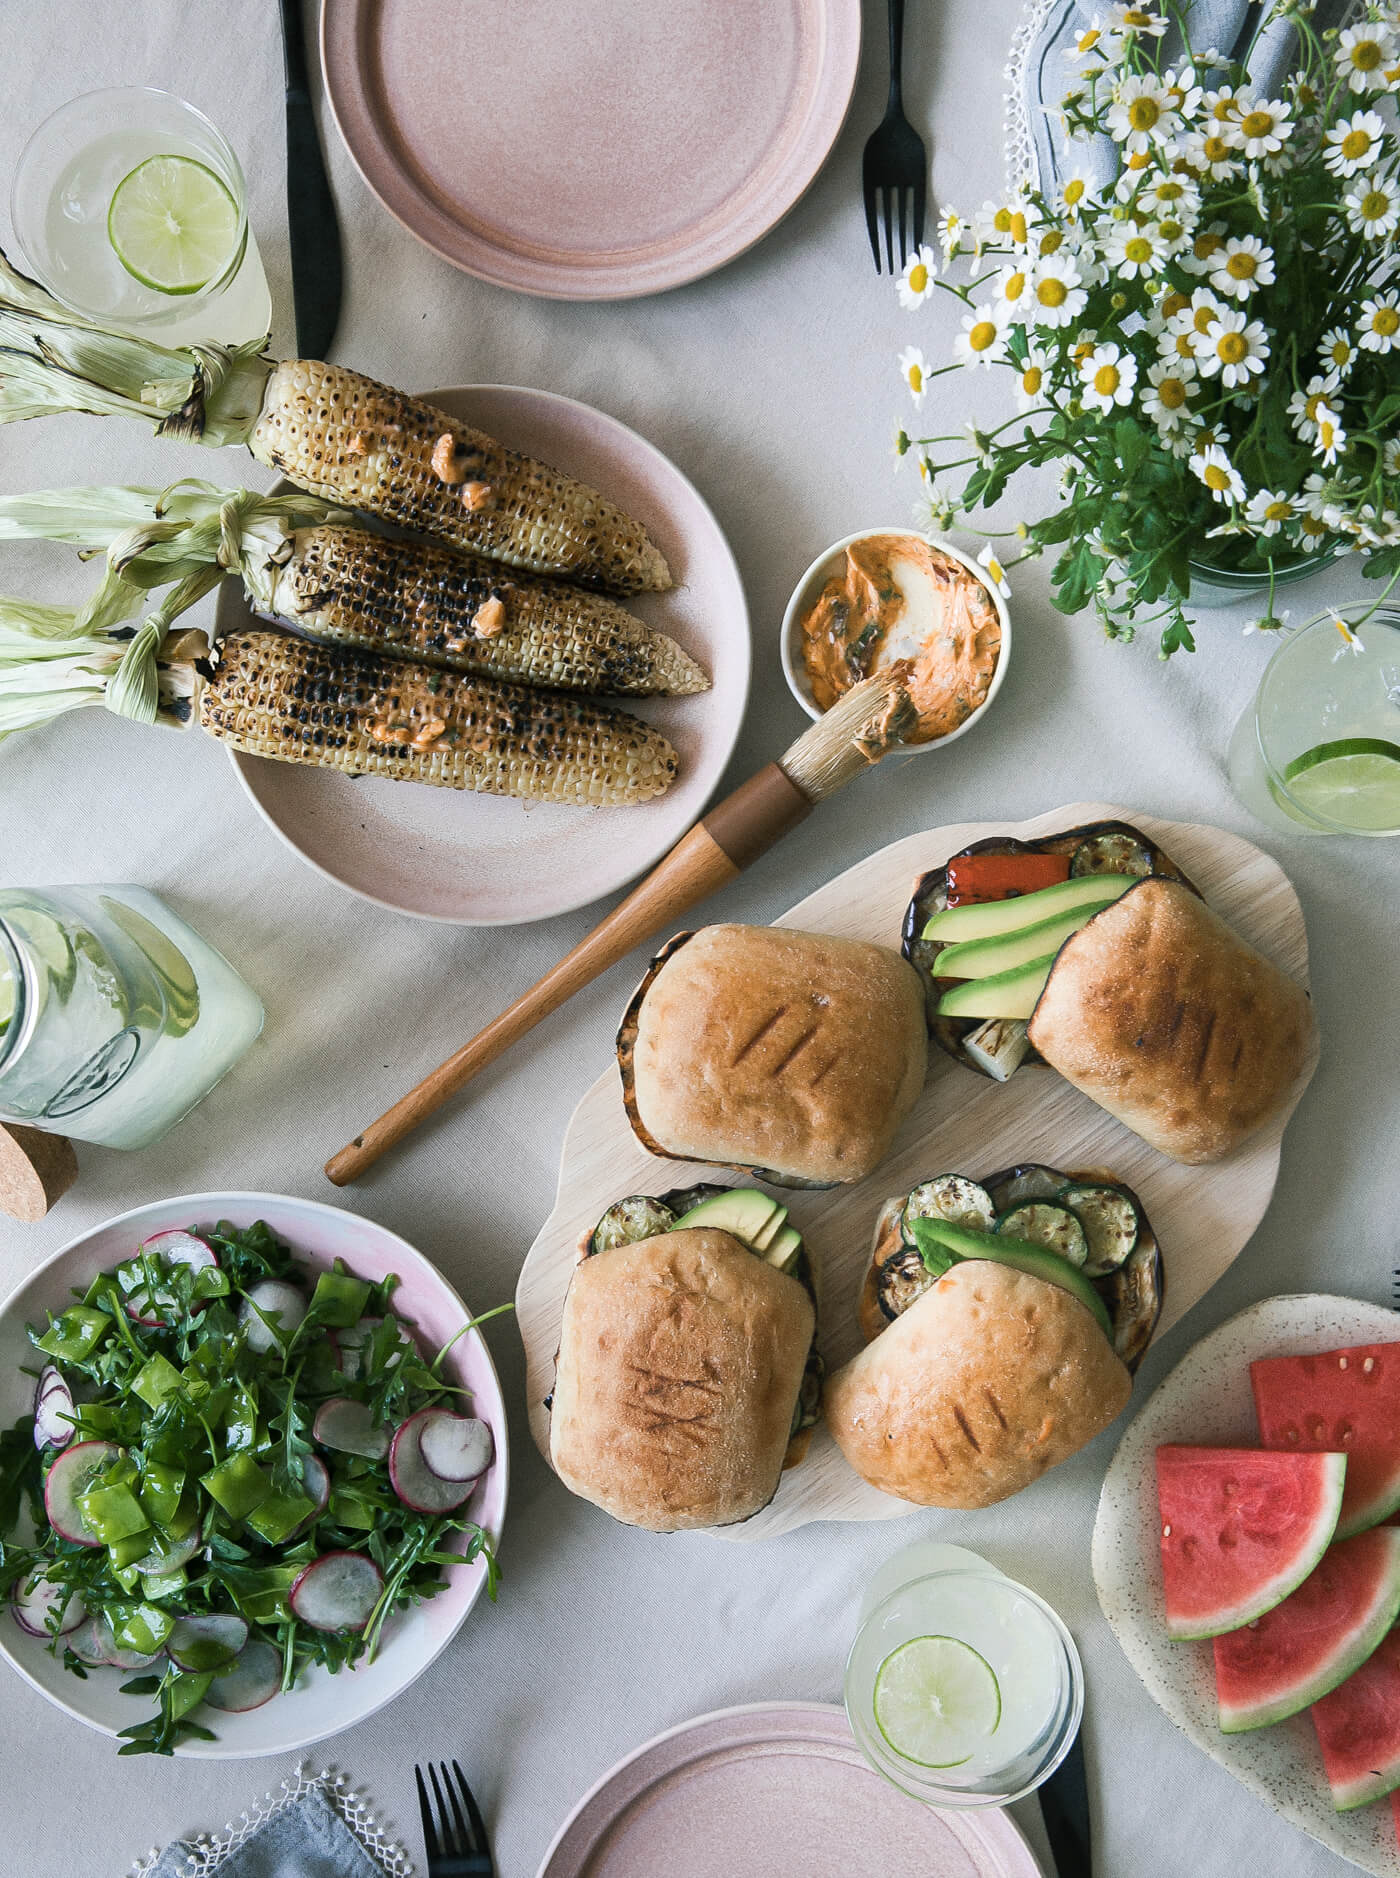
(304,1838)
(1042,74)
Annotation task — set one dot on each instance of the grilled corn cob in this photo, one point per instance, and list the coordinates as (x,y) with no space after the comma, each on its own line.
(332,432)
(433,607)
(303,703)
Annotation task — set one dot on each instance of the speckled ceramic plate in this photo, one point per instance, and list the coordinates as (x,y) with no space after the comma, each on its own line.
(590,152)
(488,860)
(777,1788)
(1207,1400)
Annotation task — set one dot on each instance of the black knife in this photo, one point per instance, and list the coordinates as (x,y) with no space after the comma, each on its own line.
(312,228)
(1064,1806)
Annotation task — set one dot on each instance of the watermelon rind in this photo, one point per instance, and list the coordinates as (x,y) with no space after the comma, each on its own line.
(1357,1515)
(1350,1709)
(1361,1641)
(1300,1565)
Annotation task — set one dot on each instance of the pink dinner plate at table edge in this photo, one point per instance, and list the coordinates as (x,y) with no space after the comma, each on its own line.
(776,1787)
(644,196)
(476,860)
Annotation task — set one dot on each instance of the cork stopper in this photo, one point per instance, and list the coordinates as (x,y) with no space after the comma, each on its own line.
(36,1170)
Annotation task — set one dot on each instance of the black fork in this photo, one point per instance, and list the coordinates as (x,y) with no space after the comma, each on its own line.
(455,1840)
(895,165)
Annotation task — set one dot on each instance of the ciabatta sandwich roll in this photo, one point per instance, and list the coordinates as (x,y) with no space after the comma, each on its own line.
(687,1376)
(1092,952)
(793,1056)
(1004,1318)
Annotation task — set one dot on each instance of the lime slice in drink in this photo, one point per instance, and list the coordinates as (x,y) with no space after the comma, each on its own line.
(172,224)
(936,1701)
(1354,781)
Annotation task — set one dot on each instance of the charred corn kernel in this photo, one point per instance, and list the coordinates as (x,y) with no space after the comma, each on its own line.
(431,606)
(298,702)
(536,518)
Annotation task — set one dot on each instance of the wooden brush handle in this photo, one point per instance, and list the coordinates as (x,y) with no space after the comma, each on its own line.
(735,832)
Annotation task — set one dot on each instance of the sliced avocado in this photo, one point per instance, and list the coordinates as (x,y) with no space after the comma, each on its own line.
(995,919)
(965,1242)
(744,1211)
(764,1240)
(784,1249)
(1006,994)
(984,958)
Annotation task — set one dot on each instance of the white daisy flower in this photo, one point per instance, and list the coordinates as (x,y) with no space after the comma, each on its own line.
(1030,380)
(1267,511)
(1126,21)
(1077,194)
(1195,322)
(1304,405)
(913,369)
(1222,107)
(1058,293)
(981,341)
(1212,155)
(1011,223)
(1390,457)
(1324,498)
(1167,395)
(1263,126)
(1142,115)
(1234,349)
(1373,207)
(1354,143)
(1092,43)
(1331,438)
(1241,266)
(1133,252)
(951,229)
(1218,474)
(1206,244)
(996,573)
(1011,292)
(1337,351)
(1362,55)
(1171,194)
(915,284)
(1109,374)
(1378,328)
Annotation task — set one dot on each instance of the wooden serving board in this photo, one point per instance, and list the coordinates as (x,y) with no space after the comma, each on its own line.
(1203,1216)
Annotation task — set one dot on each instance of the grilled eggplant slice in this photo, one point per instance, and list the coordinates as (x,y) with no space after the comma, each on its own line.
(1097,847)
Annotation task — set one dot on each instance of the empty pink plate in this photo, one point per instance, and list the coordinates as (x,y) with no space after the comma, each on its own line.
(489,860)
(590,152)
(777,1788)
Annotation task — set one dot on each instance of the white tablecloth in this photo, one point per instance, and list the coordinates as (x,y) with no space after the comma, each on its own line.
(773,385)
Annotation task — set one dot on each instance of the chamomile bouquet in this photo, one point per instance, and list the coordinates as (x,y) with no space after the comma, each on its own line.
(1207,344)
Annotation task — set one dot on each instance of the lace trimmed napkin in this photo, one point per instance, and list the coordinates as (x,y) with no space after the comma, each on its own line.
(1040,73)
(316,1827)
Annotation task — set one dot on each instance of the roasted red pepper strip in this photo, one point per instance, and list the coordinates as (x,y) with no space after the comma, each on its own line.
(974,878)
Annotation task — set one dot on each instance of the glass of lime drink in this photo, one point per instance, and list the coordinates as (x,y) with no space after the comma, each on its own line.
(131,209)
(1318,747)
(962,1687)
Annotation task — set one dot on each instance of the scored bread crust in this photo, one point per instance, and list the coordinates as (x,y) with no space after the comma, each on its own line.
(791,1051)
(680,1362)
(986,1381)
(1164,1016)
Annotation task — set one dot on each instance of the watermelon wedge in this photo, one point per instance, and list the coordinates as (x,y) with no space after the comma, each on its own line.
(1343,1401)
(1358,1730)
(1241,1528)
(1302,1649)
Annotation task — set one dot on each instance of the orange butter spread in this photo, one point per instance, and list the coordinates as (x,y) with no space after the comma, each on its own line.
(896,599)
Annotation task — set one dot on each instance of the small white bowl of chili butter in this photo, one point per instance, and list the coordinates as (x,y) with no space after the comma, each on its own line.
(887,595)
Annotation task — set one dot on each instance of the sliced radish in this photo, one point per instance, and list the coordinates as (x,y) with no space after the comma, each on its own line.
(271,1299)
(53,1410)
(455,1447)
(33,1599)
(337,1592)
(316,1482)
(170,1556)
(88,1644)
(254,1679)
(209,1641)
(71,1474)
(413,1480)
(349,1428)
(177,1247)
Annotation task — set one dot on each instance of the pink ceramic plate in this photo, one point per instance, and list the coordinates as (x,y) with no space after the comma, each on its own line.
(777,1788)
(590,152)
(320,1704)
(490,861)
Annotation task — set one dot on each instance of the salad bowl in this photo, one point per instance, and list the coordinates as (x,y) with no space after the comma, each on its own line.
(320,1704)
